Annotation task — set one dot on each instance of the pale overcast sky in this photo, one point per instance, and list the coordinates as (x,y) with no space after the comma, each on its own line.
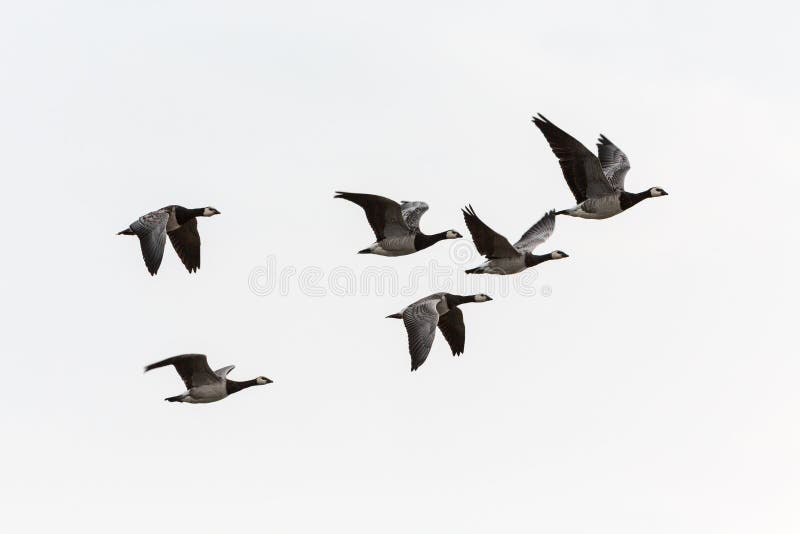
(649,383)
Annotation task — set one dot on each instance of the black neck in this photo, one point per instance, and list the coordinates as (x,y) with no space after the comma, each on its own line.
(455,300)
(422,241)
(535,259)
(184,214)
(232,386)
(627,200)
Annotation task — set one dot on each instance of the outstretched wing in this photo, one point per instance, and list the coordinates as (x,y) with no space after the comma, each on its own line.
(452,326)
(151,229)
(487,241)
(614,161)
(193,368)
(420,320)
(538,233)
(412,212)
(581,168)
(223,372)
(186,242)
(383,214)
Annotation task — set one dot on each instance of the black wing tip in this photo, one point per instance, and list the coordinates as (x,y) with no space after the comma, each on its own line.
(540,119)
(603,140)
(468,210)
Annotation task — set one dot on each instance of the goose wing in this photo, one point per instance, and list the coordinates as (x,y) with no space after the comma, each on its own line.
(151,229)
(538,233)
(223,372)
(193,368)
(412,212)
(487,241)
(186,242)
(452,326)
(383,214)
(420,320)
(581,168)
(614,161)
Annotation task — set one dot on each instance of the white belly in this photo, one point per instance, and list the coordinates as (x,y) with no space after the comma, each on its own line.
(394,246)
(203,394)
(503,266)
(597,208)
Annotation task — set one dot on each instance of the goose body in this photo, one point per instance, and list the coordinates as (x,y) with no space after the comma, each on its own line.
(596,182)
(501,256)
(421,318)
(501,266)
(396,225)
(177,222)
(202,384)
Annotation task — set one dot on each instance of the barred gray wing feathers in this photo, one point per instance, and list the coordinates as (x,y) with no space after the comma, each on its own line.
(151,229)
(538,233)
(412,212)
(420,320)
(614,161)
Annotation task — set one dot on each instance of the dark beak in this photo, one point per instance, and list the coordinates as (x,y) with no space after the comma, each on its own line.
(565,254)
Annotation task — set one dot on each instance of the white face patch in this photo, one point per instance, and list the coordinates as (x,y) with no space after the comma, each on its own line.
(452,234)
(481,298)
(208,212)
(556,255)
(261,381)
(655,192)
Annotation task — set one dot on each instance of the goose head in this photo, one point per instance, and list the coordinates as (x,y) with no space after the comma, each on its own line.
(481,297)
(452,234)
(558,255)
(657,192)
(261,380)
(209,211)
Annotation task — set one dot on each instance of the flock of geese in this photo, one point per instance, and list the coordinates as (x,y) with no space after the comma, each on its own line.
(597,183)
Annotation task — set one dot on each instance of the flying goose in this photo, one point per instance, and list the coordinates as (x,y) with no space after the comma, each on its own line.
(423,316)
(177,222)
(202,384)
(501,256)
(596,181)
(396,226)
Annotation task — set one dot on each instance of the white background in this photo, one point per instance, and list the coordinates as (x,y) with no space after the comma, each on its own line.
(655,390)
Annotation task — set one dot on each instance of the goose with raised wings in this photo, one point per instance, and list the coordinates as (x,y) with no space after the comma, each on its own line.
(501,256)
(596,182)
(396,225)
